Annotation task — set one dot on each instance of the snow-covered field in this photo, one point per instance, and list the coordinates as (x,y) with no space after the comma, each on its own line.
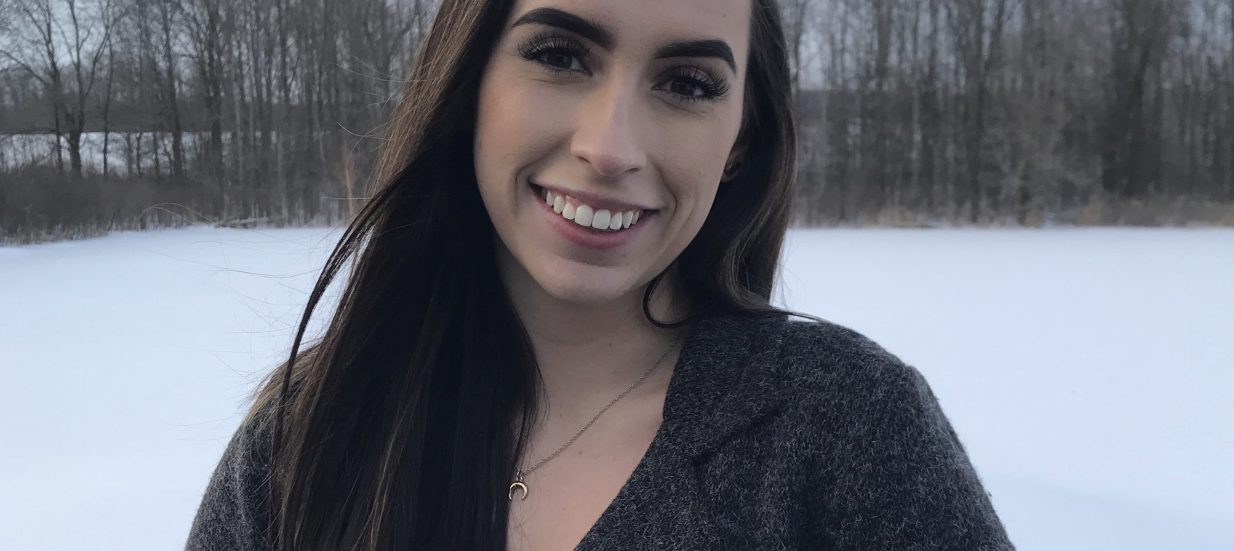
(1090,372)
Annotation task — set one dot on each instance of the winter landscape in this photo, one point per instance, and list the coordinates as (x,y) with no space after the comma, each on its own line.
(1087,367)
(1089,372)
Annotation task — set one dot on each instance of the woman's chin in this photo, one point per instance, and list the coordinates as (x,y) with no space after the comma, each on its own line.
(592,291)
(586,295)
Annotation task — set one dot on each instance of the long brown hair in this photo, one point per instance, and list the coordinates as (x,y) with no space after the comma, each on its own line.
(395,429)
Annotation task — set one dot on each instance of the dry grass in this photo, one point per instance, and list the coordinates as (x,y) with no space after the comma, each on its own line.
(1157,212)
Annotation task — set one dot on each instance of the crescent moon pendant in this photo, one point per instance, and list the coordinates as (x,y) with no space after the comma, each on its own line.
(517,486)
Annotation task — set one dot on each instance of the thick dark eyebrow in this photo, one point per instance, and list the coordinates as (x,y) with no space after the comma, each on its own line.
(699,48)
(554,17)
(596,33)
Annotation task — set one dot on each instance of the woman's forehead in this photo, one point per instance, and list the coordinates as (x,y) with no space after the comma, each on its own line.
(647,24)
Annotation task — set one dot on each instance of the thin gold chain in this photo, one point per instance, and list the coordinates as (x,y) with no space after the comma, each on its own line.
(522,473)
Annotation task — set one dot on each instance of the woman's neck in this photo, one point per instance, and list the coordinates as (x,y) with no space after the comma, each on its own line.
(589,353)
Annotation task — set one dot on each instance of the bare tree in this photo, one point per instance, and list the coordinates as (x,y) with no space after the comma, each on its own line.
(168,13)
(796,19)
(35,52)
(1140,30)
(977,27)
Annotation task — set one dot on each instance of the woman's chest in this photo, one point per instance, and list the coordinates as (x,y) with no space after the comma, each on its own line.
(747,493)
(566,496)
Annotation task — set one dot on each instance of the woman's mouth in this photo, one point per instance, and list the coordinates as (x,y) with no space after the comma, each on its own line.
(594,223)
(599,219)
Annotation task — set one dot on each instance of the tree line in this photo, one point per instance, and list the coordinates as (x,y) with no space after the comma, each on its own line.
(1016,111)
(232,110)
(911,112)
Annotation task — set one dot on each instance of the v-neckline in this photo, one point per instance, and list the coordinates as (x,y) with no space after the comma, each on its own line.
(660,444)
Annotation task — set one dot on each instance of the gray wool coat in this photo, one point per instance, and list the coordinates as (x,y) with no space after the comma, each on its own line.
(777,434)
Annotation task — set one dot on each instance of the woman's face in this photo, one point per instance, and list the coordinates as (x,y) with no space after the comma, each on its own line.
(602,135)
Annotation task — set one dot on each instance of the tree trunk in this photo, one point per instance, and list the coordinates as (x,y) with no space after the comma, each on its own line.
(170,95)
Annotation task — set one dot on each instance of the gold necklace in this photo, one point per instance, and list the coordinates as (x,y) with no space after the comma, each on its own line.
(519,474)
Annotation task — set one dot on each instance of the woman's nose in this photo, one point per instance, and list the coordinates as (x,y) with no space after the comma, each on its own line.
(606,136)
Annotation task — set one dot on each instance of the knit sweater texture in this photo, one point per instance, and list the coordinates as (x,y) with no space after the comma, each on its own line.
(777,434)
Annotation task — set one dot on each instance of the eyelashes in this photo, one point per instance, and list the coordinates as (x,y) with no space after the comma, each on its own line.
(559,54)
(545,43)
(711,88)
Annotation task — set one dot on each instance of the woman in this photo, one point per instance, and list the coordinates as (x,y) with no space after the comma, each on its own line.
(556,331)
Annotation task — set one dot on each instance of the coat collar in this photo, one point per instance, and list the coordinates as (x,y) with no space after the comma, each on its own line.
(728,377)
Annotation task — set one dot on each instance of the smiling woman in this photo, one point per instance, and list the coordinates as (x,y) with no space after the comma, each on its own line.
(556,332)
(623,109)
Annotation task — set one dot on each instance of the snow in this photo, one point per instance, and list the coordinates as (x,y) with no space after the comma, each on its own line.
(1089,372)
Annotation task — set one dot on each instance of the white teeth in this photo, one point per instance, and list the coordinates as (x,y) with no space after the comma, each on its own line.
(615,223)
(588,216)
(601,219)
(583,215)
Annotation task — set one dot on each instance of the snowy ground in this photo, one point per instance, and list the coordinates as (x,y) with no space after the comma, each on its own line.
(1089,372)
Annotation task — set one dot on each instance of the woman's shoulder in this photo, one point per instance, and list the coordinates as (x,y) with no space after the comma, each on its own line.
(829,361)
(880,462)
(814,359)
(815,373)
(232,513)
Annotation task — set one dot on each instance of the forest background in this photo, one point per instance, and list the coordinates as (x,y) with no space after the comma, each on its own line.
(134,114)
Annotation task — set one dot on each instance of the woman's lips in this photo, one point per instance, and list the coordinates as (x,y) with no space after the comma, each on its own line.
(581,223)
(595,201)
(586,215)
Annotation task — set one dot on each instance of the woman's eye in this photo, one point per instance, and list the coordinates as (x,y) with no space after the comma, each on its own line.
(687,88)
(558,59)
(694,85)
(557,53)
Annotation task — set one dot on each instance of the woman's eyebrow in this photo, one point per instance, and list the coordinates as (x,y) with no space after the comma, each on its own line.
(564,20)
(699,48)
(596,33)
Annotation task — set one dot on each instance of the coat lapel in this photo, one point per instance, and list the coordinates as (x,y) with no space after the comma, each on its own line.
(726,380)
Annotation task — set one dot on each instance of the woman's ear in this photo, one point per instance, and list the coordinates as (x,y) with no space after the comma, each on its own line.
(733,166)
